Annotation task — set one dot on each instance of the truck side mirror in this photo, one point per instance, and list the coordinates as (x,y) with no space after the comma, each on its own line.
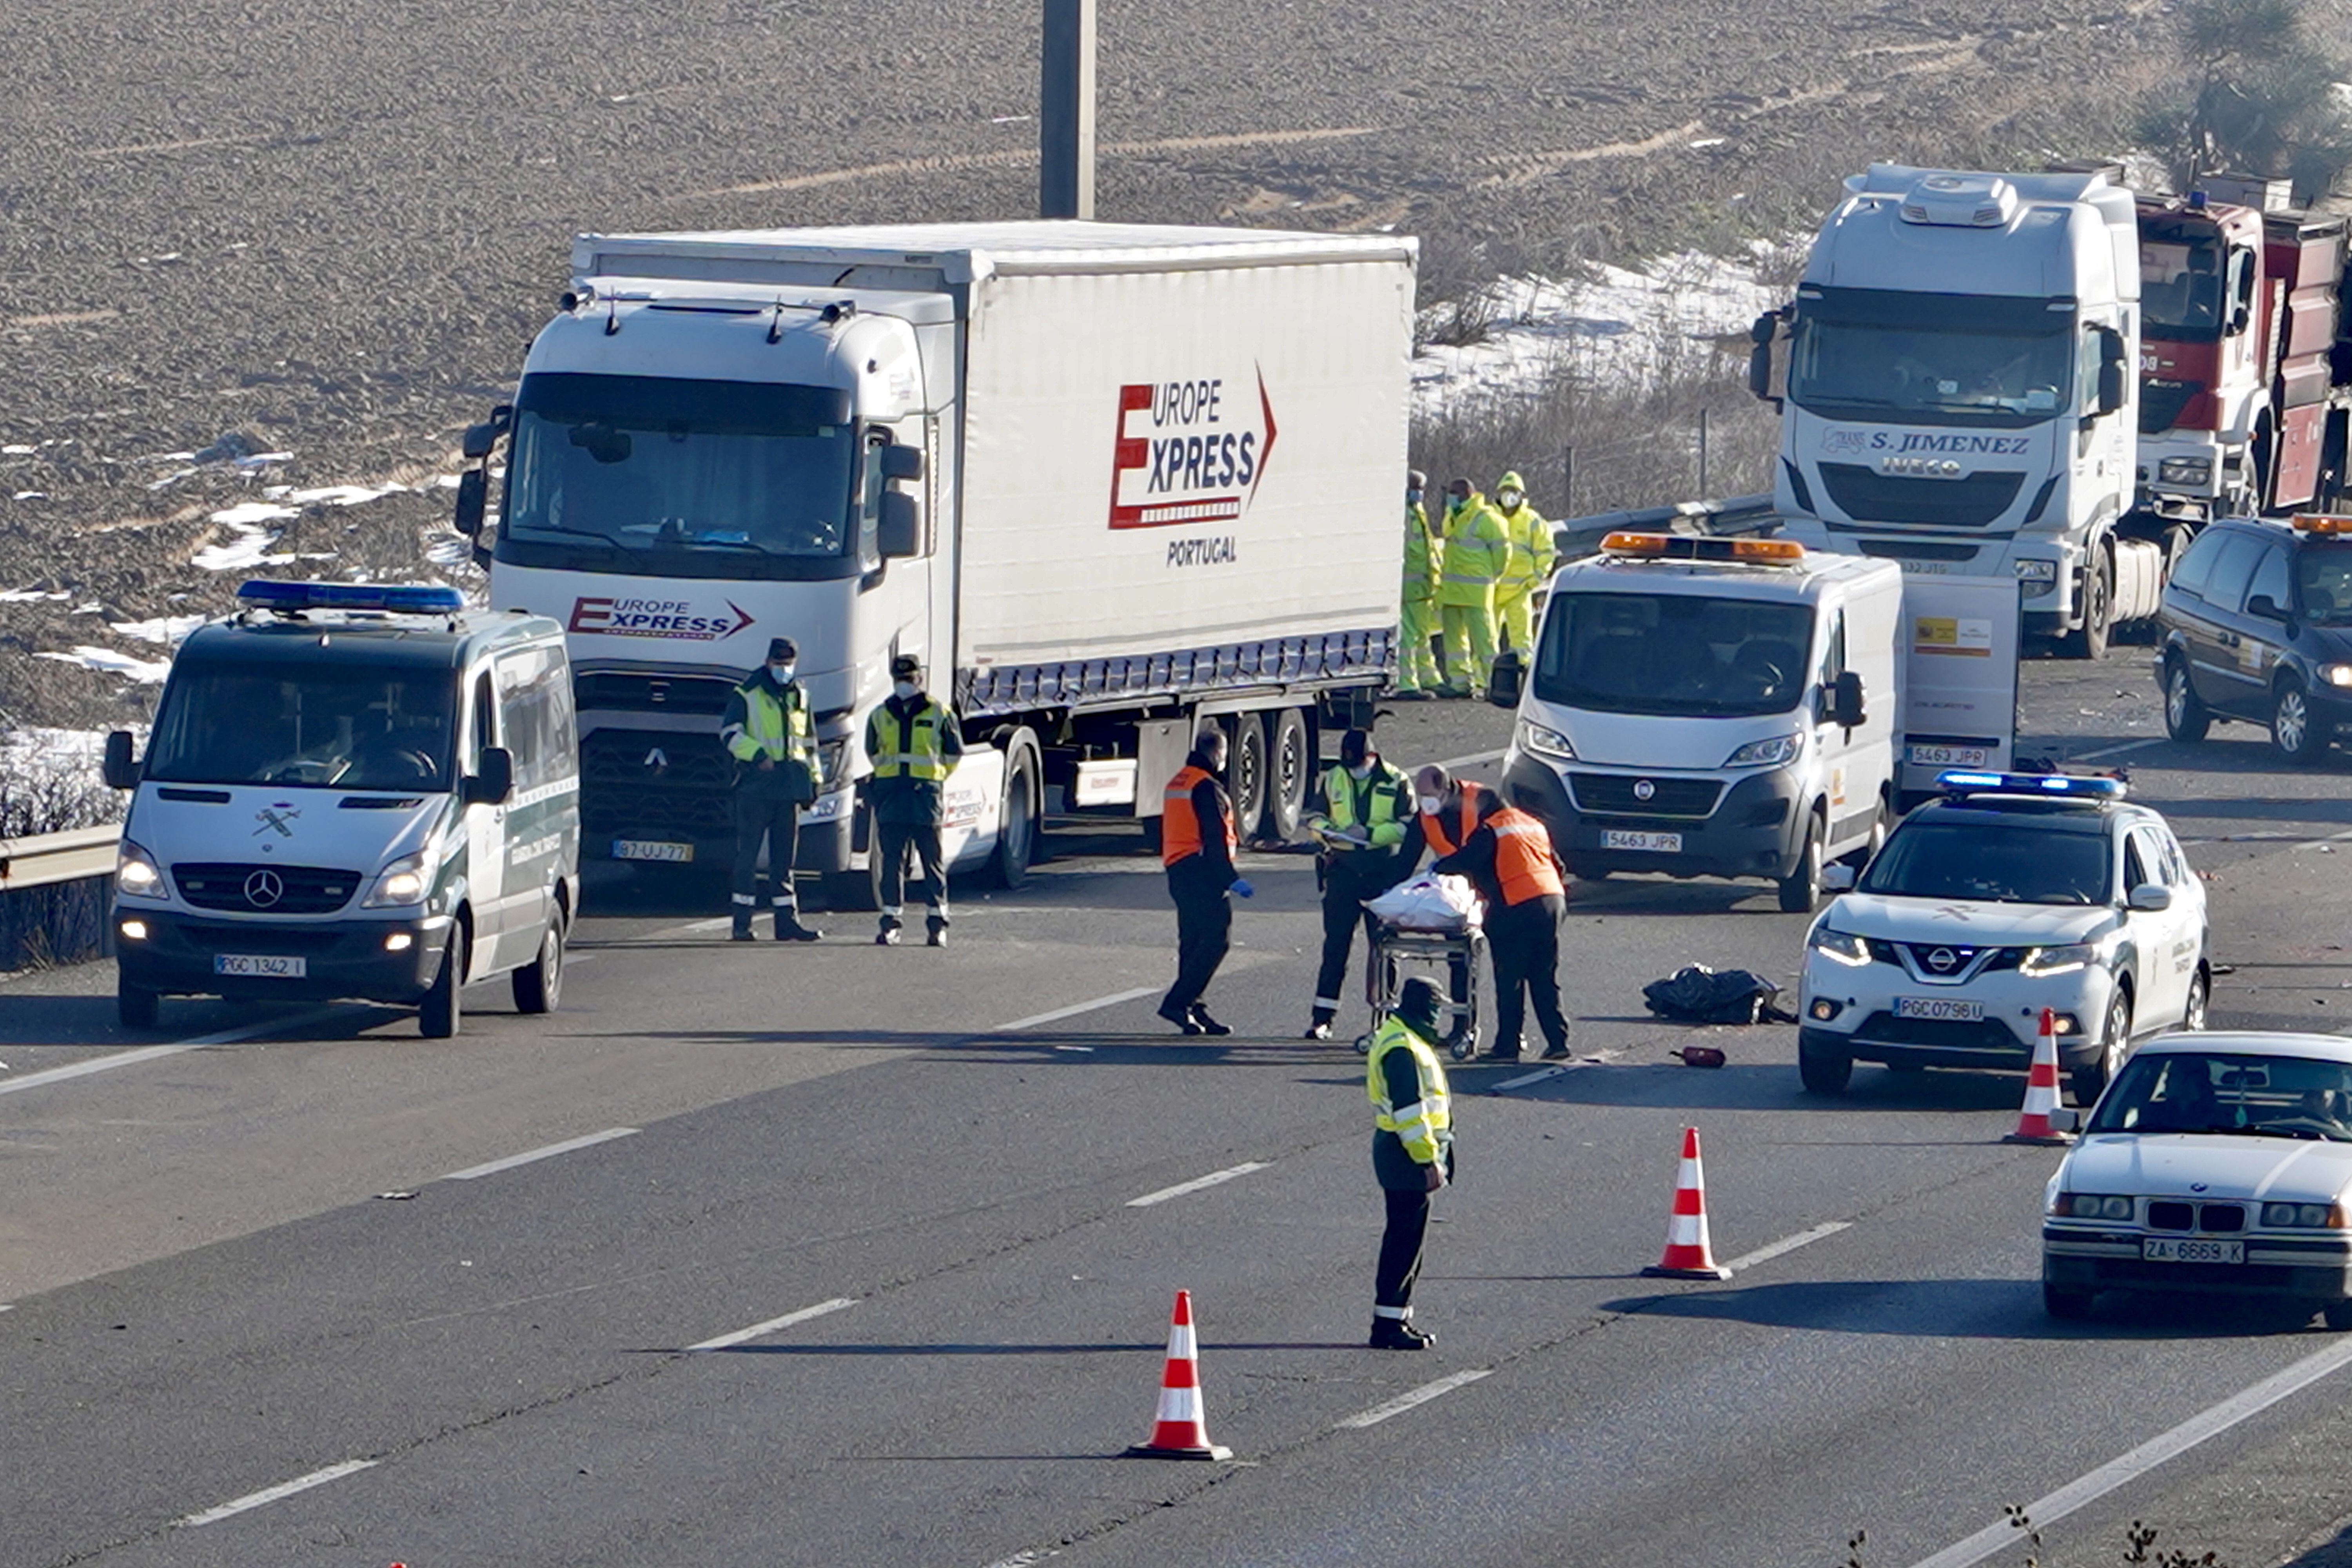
(119,770)
(901,462)
(1846,710)
(1761,332)
(493,782)
(1507,678)
(2115,368)
(473,501)
(901,535)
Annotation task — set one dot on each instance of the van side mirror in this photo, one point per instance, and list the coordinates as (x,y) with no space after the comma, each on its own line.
(473,501)
(2151,898)
(493,782)
(901,462)
(119,770)
(2264,607)
(1845,705)
(2115,370)
(901,535)
(1837,877)
(1505,681)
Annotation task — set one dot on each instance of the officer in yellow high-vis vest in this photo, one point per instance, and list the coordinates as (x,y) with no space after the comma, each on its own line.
(1474,558)
(768,730)
(913,742)
(1528,568)
(1413,1154)
(1417,676)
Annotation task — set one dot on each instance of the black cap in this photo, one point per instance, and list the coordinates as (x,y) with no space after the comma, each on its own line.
(1355,746)
(1418,1005)
(1458,487)
(906,666)
(783,648)
(1414,480)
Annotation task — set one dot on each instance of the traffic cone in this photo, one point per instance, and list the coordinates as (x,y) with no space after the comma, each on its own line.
(1688,1255)
(2041,1091)
(1181,1432)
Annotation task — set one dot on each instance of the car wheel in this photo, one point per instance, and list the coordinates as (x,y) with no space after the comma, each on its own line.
(441,1013)
(2090,1080)
(2296,731)
(1800,889)
(539,985)
(2185,716)
(2201,996)
(2336,1315)
(135,1005)
(1822,1069)
(2067,1306)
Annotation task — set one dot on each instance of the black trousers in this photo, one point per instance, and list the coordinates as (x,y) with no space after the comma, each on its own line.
(1343,911)
(895,839)
(1524,941)
(1400,1248)
(777,821)
(1204,925)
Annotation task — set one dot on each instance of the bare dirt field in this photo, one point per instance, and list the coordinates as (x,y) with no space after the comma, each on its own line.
(329,230)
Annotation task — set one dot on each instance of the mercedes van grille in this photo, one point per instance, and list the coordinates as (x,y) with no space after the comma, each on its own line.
(266,890)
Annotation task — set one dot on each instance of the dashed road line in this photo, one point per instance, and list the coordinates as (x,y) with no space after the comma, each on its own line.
(474,1173)
(1421,1395)
(1058,1014)
(1789,1244)
(1024,1558)
(1595,1058)
(154,1052)
(2140,745)
(1475,760)
(2115,1473)
(1197,1182)
(273,1494)
(757,1331)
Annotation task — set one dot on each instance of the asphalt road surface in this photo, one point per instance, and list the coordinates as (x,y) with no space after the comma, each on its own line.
(848,1254)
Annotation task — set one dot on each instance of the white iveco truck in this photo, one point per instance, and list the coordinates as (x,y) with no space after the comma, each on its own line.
(1105,481)
(1960,389)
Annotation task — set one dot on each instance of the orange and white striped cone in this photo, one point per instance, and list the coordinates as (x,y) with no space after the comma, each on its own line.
(1688,1254)
(2033,1123)
(1182,1430)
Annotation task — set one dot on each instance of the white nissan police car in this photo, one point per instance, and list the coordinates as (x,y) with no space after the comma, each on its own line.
(2011,894)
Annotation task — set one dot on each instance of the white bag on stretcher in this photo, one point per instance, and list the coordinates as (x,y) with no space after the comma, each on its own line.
(1428,902)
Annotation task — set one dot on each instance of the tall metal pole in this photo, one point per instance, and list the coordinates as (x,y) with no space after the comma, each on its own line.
(1066,112)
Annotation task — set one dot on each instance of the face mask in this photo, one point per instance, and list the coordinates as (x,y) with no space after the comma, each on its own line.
(1361,771)
(1412,498)
(906,691)
(783,672)
(1431,805)
(1510,497)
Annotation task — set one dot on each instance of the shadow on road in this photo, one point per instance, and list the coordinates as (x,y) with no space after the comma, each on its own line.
(1767,1087)
(1965,1308)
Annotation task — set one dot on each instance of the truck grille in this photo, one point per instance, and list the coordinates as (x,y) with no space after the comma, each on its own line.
(614,691)
(1616,795)
(2161,403)
(654,784)
(1974,502)
(266,890)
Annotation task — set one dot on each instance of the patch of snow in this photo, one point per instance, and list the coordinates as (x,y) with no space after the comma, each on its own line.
(92,608)
(343,495)
(16,451)
(244,514)
(166,629)
(30,595)
(30,495)
(251,548)
(106,661)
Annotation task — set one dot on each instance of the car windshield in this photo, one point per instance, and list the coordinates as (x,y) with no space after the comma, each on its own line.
(1932,359)
(1673,654)
(2010,863)
(2323,583)
(2229,1092)
(2180,288)
(680,477)
(342,727)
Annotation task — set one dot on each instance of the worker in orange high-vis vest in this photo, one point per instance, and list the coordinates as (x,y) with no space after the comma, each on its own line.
(1509,859)
(1449,815)
(1196,847)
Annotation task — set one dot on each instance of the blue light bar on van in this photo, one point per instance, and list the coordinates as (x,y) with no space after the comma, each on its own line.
(398,598)
(2029,783)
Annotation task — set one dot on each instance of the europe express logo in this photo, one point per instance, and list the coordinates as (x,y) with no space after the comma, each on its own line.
(671,618)
(1181,453)
(1901,441)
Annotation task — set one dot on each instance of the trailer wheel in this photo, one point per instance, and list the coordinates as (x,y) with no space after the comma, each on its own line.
(1246,769)
(1290,766)
(1016,830)
(2098,610)
(855,891)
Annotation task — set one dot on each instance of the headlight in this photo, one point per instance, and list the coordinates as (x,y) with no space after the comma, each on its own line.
(1843,947)
(2304,1216)
(2336,674)
(2037,571)
(2185,471)
(405,881)
(136,875)
(2042,962)
(828,759)
(1545,741)
(1769,754)
(2093,1205)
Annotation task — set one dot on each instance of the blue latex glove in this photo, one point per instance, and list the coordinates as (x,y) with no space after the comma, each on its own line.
(1242,889)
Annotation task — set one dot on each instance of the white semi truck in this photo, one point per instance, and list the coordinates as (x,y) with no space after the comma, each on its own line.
(1105,481)
(1960,389)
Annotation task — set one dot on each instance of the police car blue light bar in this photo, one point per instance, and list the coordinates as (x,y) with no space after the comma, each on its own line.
(2029,783)
(399,598)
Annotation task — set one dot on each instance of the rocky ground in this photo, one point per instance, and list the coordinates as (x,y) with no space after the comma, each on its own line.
(253,254)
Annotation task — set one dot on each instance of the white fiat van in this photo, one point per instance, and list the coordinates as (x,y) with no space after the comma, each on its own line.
(352,791)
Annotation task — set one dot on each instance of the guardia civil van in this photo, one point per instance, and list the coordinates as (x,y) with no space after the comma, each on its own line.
(352,791)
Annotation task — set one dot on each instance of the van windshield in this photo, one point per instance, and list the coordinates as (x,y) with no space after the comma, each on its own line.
(1675,654)
(345,727)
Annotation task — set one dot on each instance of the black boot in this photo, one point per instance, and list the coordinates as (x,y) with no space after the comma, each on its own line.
(742,930)
(1209,1025)
(1399,1334)
(1181,1018)
(789,927)
(937,928)
(1318,1027)
(888,935)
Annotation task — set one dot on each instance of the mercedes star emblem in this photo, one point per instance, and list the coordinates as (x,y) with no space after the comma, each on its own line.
(1643,789)
(264,888)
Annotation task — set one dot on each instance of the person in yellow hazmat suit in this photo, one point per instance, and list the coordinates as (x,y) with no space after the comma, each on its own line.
(1528,567)
(1417,676)
(1475,555)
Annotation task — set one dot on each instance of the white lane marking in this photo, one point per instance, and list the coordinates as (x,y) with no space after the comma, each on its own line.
(2331,838)
(1023,1559)
(1421,1395)
(1195,1185)
(153,1053)
(1475,760)
(1594,1059)
(2118,750)
(2115,1473)
(1058,1014)
(772,1324)
(1789,1244)
(475,1171)
(272,1494)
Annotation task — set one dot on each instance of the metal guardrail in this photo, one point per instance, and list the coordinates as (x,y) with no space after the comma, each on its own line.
(57,897)
(49,858)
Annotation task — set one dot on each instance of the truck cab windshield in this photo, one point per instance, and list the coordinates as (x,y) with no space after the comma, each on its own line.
(1931,359)
(685,479)
(2181,288)
(1675,654)
(344,727)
